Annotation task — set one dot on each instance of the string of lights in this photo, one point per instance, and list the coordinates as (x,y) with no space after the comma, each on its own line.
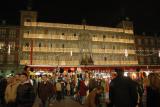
(138,52)
(144,52)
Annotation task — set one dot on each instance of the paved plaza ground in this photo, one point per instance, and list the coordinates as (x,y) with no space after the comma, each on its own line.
(67,102)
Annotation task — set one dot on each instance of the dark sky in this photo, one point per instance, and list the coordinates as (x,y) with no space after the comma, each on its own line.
(144,14)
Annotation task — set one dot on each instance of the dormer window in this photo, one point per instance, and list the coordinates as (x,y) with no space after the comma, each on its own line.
(28,20)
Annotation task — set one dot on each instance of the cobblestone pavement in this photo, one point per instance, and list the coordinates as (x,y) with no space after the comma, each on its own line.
(67,102)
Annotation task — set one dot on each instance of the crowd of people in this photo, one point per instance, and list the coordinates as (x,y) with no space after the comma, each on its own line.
(22,90)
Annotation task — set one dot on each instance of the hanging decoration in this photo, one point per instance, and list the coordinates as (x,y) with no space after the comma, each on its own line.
(126,53)
(9,49)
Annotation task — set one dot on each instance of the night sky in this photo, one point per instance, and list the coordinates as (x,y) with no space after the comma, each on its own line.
(145,14)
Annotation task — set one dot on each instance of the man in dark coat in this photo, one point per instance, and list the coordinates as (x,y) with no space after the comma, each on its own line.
(123,92)
(45,91)
(25,92)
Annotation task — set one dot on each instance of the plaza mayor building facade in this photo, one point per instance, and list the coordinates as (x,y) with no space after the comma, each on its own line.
(58,44)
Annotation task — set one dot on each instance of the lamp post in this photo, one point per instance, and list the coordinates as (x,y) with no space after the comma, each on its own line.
(31,52)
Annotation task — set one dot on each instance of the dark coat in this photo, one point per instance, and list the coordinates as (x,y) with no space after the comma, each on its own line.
(3,85)
(25,95)
(45,91)
(83,89)
(123,92)
(153,97)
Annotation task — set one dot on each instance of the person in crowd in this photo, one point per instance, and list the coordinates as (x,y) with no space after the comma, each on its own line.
(92,84)
(11,92)
(122,91)
(45,91)
(63,92)
(25,92)
(103,97)
(83,92)
(139,87)
(3,85)
(153,90)
(92,97)
(68,88)
(59,90)
(72,87)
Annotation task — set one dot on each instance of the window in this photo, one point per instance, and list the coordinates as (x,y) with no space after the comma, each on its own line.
(105,58)
(28,20)
(104,36)
(152,42)
(155,60)
(146,41)
(1,45)
(12,44)
(113,47)
(12,32)
(51,45)
(27,32)
(2,31)
(10,59)
(148,60)
(27,44)
(40,45)
(74,34)
(62,45)
(139,42)
(46,31)
(1,58)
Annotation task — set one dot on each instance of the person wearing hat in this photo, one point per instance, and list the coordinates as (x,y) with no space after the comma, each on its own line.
(122,91)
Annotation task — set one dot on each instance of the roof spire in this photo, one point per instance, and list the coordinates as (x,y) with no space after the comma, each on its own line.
(84,23)
(29,6)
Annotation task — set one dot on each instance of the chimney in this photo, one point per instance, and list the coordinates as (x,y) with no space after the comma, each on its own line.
(3,22)
(143,33)
(155,35)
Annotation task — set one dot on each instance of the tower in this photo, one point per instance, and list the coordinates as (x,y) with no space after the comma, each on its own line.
(28,15)
(85,46)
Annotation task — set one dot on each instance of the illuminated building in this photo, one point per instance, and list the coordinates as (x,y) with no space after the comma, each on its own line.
(60,44)
(148,49)
(9,48)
